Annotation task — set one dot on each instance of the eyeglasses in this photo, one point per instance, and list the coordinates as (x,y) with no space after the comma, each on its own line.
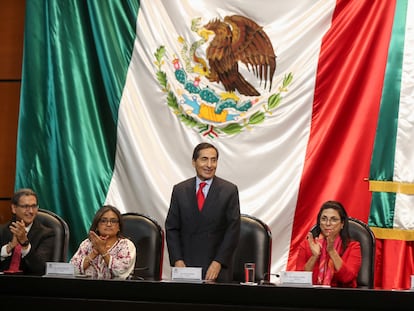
(333,220)
(106,221)
(27,206)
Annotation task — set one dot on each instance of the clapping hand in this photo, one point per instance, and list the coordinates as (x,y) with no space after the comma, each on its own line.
(18,228)
(330,240)
(314,245)
(98,242)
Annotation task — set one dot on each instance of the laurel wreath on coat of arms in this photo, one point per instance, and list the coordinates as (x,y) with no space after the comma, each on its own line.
(231,111)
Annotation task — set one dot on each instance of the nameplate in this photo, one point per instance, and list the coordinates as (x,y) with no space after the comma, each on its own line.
(296,278)
(59,269)
(186,274)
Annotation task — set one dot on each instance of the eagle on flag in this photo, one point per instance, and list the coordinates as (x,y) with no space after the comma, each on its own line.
(236,39)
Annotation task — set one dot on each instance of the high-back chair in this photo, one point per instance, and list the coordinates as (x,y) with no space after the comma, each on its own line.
(148,238)
(255,245)
(361,232)
(61,229)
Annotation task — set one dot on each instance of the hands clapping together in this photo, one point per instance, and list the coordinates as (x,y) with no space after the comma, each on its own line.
(98,243)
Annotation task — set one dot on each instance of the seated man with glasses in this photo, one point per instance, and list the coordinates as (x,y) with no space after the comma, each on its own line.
(26,244)
(106,253)
(329,252)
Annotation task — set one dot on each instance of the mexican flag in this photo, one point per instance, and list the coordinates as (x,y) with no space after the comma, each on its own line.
(116,94)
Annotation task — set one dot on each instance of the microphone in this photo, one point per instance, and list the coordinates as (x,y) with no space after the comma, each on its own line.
(266,276)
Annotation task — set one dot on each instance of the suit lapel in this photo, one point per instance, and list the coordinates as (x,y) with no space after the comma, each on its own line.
(212,195)
(191,193)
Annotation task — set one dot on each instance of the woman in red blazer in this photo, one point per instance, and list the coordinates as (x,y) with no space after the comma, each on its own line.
(329,252)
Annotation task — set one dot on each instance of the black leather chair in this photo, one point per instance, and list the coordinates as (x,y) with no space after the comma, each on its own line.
(255,245)
(148,238)
(360,231)
(61,228)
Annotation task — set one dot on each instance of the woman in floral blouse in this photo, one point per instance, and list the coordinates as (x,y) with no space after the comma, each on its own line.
(106,253)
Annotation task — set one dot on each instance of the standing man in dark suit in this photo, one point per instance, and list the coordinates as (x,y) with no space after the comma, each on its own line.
(208,237)
(24,232)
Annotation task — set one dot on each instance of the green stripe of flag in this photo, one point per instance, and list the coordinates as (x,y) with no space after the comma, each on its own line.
(382,164)
(76,56)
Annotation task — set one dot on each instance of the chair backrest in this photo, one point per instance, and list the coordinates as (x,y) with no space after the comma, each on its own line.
(61,229)
(148,237)
(255,245)
(360,231)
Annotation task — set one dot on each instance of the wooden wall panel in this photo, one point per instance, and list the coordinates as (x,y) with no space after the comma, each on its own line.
(11,50)
(5,211)
(9,110)
(11,38)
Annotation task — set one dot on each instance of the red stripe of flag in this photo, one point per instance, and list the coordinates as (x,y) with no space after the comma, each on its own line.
(347,97)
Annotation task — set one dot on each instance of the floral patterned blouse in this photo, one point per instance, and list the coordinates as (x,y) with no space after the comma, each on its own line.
(121,264)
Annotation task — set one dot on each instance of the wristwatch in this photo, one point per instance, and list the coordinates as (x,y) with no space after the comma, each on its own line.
(25,243)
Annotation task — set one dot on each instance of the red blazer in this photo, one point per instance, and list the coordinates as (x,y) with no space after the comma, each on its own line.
(346,276)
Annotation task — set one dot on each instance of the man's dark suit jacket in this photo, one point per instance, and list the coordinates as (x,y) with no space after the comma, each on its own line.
(197,237)
(41,240)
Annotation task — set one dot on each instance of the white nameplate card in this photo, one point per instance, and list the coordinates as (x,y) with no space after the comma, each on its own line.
(186,274)
(60,269)
(296,278)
